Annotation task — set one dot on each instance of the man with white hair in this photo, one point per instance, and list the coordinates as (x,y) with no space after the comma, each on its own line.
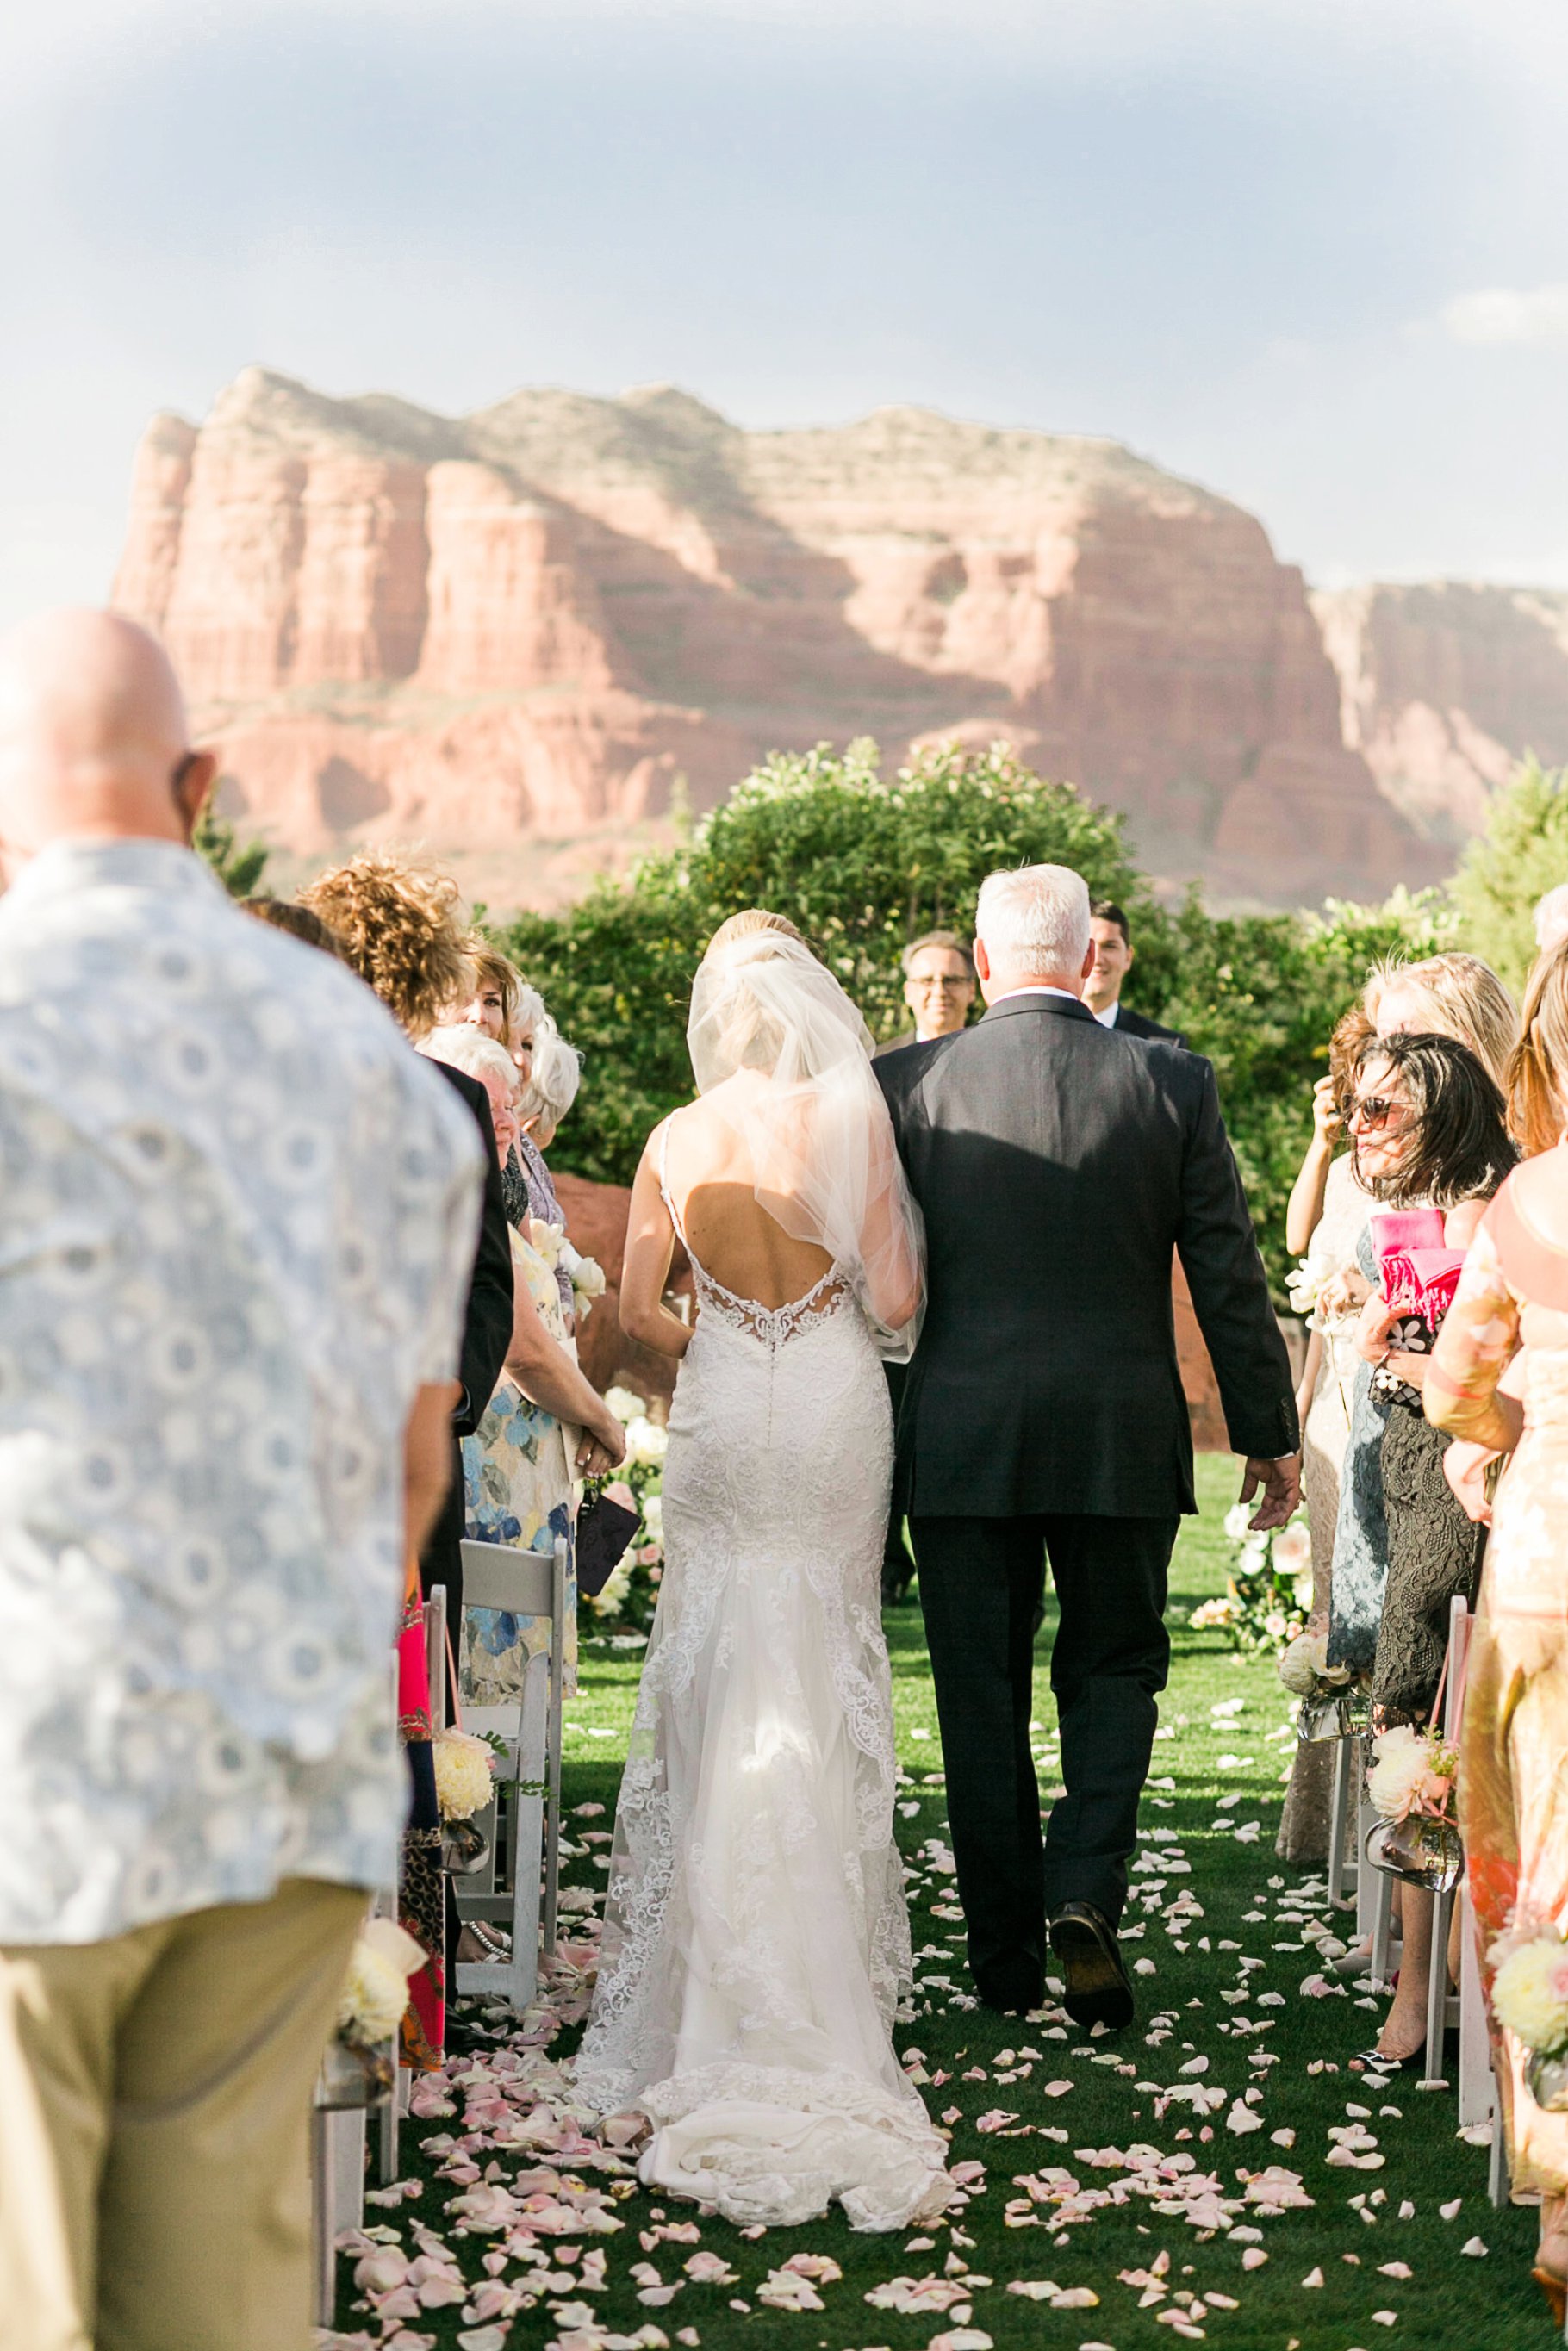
(1059,1164)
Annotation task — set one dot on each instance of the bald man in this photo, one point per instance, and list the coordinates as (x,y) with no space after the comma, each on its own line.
(236,1217)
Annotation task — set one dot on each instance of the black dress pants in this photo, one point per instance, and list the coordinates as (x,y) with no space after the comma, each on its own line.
(981,1582)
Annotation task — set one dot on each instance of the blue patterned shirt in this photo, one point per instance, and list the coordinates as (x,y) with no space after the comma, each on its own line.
(237,1215)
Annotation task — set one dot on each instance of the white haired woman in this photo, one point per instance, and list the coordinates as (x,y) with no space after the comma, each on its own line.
(543,1100)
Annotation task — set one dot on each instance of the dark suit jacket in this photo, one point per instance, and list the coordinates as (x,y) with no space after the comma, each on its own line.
(486,1335)
(1138,1024)
(1058,1164)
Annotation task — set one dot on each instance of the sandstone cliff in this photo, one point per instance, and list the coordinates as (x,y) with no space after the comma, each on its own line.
(1444,686)
(526,622)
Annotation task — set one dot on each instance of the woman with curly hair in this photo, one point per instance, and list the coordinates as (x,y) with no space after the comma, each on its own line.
(398,921)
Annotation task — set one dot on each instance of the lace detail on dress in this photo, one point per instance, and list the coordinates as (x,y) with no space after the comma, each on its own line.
(756,1940)
(772,1324)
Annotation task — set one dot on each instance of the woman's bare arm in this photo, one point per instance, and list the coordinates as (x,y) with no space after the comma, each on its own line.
(650,1247)
(548,1377)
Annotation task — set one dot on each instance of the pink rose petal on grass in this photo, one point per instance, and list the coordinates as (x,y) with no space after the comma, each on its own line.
(821,2268)
(994,2119)
(710,2269)
(1253,2257)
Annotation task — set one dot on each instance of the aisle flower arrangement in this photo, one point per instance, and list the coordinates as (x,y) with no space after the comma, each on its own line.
(1410,1786)
(356,2069)
(1269,1589)
(1334,1700)
(1530,1995)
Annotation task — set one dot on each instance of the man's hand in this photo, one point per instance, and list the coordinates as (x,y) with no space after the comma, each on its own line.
(1465,1466)
(1282,1484)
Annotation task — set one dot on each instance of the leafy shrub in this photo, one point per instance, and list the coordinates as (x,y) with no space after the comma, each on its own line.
(1522,853)
(862,863)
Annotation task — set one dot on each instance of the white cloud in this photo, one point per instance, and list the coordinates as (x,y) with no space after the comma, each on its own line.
(1533,316)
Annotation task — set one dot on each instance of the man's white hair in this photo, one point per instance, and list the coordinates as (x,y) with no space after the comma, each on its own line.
(1035,919)
(1552,918)
(556,1068)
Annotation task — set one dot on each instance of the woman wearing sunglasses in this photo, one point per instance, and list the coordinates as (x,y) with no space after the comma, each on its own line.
(1426,1124)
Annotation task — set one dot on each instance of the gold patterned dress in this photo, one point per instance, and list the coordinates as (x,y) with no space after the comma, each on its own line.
(1513,1761)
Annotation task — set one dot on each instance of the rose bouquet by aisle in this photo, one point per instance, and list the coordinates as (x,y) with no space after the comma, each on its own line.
(357,2065)
(1334,1701)
(1411,1788)
(1269,1589)
(1530,2000)
(464,1766)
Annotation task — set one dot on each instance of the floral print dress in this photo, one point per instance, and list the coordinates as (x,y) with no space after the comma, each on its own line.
(518,1489)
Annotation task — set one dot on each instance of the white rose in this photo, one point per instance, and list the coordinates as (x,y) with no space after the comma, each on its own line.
(1293,1549)
(646,1443)
(1236,1519)
(1528,1993)
(1298,1667)
(588,1278)
(375,1990)
(463,1781)
(1303,1283)
(1402,1762)
(654,1517)
(546,1239)
(626,1407)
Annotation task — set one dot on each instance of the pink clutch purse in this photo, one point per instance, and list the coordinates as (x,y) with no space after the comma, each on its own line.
(1418,1273)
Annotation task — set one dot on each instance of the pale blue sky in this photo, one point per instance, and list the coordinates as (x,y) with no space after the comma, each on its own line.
(1314,255)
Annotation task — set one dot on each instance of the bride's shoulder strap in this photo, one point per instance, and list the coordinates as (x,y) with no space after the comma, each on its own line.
(665,1178)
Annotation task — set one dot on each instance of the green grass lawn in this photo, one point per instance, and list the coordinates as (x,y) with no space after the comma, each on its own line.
(1213,1773)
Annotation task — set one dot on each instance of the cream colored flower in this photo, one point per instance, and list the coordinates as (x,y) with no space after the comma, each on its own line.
(1524,1995)
(1403,1756)
(463,1781)
(375,1990)
(546,1238)
(588,1278)
(626,1407)
(1297,1668)
(646,1443)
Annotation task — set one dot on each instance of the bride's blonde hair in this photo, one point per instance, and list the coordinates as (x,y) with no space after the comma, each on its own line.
(750,1036)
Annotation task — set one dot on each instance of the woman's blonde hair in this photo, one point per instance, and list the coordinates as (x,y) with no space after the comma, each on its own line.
(745,1035)
(1538,1066)
(397,920)
(1463,997)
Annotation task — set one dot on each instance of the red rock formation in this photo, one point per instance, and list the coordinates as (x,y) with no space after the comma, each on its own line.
(530,620)
(1443,688)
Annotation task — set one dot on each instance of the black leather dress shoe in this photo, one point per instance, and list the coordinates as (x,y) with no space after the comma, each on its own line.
(1013,1990)
(1098,1990)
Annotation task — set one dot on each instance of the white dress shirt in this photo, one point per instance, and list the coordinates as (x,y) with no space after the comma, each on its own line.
(237,1216)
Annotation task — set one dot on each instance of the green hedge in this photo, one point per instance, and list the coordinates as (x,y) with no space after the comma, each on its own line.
(862,863)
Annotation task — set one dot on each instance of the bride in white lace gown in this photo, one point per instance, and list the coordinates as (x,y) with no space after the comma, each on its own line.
(756,1938)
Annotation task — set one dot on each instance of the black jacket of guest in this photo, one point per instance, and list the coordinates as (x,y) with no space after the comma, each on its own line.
(1138,1024)
(1058,1164)
(486,1335)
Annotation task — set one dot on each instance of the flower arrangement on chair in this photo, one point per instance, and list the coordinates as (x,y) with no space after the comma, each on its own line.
(357,2065)
(464,1769)
(1411,1788)
(1334,1699)
(1530,2000)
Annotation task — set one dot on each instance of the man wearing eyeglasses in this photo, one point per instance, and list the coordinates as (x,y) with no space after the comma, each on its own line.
(938,987)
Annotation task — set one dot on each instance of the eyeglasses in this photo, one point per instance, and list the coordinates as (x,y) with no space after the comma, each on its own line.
(952,986)
(1372,1110)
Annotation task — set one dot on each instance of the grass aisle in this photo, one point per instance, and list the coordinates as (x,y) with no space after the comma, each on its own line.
(1387,2252)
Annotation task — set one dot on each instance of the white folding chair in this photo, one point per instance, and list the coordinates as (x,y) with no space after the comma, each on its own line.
(523,1823)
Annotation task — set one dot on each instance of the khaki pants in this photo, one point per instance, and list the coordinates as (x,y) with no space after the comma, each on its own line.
(154,2097)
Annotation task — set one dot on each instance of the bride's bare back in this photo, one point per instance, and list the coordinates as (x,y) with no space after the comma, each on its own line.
(708,1170)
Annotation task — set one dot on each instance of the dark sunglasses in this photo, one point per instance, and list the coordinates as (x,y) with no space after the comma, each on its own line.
(1372,1110)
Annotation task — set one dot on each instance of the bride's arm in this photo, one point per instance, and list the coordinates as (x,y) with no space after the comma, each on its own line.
(890,1240)
(650,1246)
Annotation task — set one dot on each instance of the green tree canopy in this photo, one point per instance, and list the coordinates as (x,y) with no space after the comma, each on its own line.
(864,862)
(1522,853)
(239,865)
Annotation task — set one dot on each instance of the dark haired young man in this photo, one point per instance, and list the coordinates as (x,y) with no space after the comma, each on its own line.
(1113,961)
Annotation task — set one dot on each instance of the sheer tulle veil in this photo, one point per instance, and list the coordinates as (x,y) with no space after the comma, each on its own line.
(825,1164)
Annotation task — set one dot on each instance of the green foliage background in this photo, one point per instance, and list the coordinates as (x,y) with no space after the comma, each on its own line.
(1522,853)
(863,862)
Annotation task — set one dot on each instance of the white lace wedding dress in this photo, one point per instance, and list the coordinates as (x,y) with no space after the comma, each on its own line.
(756,1937)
